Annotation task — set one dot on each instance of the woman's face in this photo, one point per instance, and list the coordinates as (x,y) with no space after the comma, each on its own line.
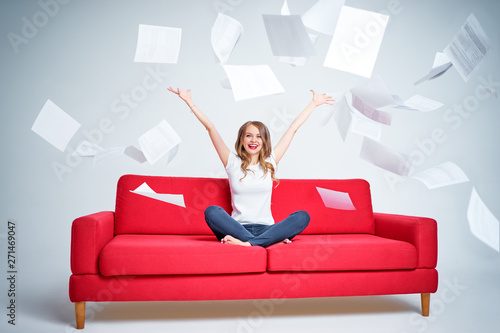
(252,142)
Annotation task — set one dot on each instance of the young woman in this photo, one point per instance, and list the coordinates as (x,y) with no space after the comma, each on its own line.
(251,172)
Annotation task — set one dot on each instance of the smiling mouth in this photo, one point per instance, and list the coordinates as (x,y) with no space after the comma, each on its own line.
(253,146)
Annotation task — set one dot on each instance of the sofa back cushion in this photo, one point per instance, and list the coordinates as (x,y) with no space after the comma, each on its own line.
(139,214)
(302,194)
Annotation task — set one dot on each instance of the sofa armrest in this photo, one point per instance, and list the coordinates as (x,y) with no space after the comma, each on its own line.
(419,231)
(89,234)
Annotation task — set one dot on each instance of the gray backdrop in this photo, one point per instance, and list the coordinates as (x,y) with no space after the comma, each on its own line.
(80,56)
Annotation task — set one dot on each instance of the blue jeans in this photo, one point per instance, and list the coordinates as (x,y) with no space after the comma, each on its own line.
(223,224)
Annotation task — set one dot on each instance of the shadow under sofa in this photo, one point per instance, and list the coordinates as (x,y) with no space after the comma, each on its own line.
(154,250)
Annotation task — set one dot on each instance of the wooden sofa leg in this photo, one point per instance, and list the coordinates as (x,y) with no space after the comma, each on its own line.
(426,302)
(80,315)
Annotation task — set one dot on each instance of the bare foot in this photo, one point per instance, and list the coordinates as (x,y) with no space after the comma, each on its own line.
(285,241)
(234,241)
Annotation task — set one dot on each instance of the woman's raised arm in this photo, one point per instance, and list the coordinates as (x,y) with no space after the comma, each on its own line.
(221,148)
(286,139)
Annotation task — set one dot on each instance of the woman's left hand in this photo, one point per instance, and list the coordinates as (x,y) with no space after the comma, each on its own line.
(319,99)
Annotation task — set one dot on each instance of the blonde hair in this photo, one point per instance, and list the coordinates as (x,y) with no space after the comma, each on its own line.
(264,153)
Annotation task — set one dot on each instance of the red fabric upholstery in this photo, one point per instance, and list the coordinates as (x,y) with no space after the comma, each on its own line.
(137,214)
(174,254)
(419,231)
(349,252)
(341,253)
(89,234)
(301,194)
(250,286)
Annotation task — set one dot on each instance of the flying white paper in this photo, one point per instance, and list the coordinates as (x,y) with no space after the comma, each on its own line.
(335,199)
(135,154)
(356,41)
(252,81)
(469,47)
(440,66)
(156,44)
(343,117)
(374,92)
(299,61)
(483,224)
(420,103)
(174,199)
(366,127)
(288,36)
(55,126)
(323,15)
(444,174)
(158,141)
(371,113)
(384,157)
(226,32)
(285,10)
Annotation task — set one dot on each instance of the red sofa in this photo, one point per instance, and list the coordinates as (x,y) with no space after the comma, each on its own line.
(151,250)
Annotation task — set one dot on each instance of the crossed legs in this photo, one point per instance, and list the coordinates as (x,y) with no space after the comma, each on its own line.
(230,231)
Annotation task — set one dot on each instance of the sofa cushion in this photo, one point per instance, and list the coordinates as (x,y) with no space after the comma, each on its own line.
(341,253)
(301,194)
(138,214)
(175,254)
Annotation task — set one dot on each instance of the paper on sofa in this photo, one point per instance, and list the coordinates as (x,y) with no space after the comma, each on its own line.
(174,199)
(335,199)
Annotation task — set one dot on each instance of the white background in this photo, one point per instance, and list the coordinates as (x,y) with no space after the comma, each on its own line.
(81,58)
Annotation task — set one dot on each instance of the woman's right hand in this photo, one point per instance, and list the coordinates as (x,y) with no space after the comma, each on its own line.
(184,95)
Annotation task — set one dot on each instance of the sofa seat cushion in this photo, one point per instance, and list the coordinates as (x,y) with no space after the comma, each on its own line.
(177,254)
(341,252)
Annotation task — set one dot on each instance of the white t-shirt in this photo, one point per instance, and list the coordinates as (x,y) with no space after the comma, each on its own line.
(251,196)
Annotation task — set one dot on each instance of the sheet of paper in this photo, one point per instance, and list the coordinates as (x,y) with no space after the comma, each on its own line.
(288,36)
(226,32)
(174,199)
(366,127)
(156,44)
(285,10)
(356,41)
(420,103)
(385,157)
(343,118)
(440,59)
(444,174)
(371,113)
(55,126)
(252,81)
(434,73)
(440,66)
(135,154)
(374,92)
(323,15)
(158,141)
(469,47)
(299,61)
(335,199)
(482,223)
